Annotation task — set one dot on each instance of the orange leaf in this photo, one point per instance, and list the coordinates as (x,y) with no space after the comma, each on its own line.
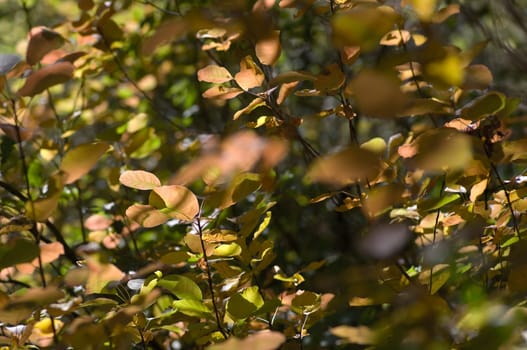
(41,41)
(180,201)
(250,75)
(139,179)
(214,74)
(268,49)
(80,160)
(146,215)
(46,77)
(222,92)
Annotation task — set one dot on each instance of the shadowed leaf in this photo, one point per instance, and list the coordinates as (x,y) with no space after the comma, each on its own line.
(81,159)
(264,340)
(41,41)
(46,77)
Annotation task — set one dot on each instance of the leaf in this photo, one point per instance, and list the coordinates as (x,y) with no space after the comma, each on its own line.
(239,188)
(139,179)
(8,62)
(222,92)
(433,150)
(257,102)
(263,340)
(478,189)
(395,38)
(483,106)
(80,160)
(214,74)
(225,250)
(169,30)
(41,41)
(190,307)
(355,335)
(345,167)
(41,209)
(386,87)
(146,215)
(478,77)
(244,304)
(175,201)
(183,287)
(268,49)
(47,77)
(100,274)
(250,75)
(364,26)
(291,77)
(17,251)
(449,70)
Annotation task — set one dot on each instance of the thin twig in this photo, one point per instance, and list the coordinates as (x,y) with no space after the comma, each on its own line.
(209,279)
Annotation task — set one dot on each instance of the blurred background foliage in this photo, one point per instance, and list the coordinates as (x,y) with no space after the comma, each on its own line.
(152,106)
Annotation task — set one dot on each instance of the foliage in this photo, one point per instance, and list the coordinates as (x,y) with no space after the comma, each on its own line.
(257,174)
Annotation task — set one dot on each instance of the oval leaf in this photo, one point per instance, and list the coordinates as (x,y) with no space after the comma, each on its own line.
(139,179)
(484,106)
(80,160)
(41,41)
(214,74)
(268,49)
(264,340)
(345,167)
(177,201)
(146,215)
(46,77)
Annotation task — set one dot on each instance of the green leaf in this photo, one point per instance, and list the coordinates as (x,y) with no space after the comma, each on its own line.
(191,307)
(484,106)
(245,304)
(437,203)
(183,287)
(17,251)
(231,249)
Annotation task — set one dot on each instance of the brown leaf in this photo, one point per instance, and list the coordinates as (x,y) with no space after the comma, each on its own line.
(214,74)
(181,202)
(345,167)
(41,41)
(222,92)
(80,160)
(268,49)
(477,76)
(146,215)
(166,32)
(139,179)
(46,77)
(250,75)
(264,340)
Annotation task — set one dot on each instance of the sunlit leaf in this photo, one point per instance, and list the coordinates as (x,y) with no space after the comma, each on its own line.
(395,38)
(257,102)
(230,249)
(364,25)
(183,287)
(214,74)
(239,188)
(433,150)
(222,92)
(139,179)
(354,335)
(263,340)
(250,75)
(176,201)
(146,215)
(448,70)
(46,77)
(268,49)
(191,307)
(244,304)
(100,274)
(41,41)
(345,167)
(80,160)
(424,9)
(41,209)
